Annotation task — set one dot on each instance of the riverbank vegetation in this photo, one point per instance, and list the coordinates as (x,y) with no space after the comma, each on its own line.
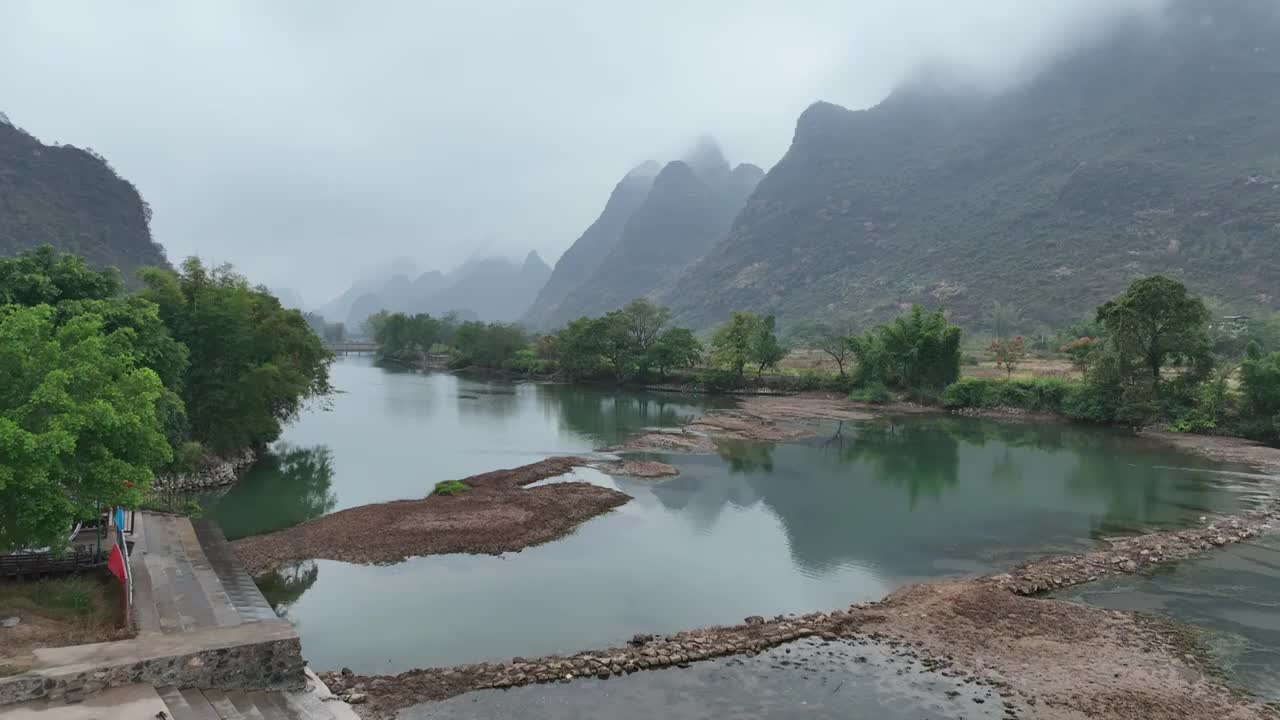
(105,388)
(1154,354)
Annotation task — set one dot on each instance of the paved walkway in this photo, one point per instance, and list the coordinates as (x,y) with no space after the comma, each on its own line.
(187,579)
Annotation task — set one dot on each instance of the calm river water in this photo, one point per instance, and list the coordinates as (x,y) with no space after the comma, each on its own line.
(757,528)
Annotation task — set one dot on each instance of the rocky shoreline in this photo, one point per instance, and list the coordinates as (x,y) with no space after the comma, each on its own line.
(214,471)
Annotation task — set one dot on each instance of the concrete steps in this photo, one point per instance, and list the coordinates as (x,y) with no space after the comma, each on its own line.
(313,703)
(146,702)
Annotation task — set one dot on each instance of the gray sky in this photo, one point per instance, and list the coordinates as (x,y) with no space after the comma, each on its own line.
(305,140)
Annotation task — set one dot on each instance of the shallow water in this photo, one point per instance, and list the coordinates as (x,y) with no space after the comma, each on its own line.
(756,528)
(805,679)
(1232,593)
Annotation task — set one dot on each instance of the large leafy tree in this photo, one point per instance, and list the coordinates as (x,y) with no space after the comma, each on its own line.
(253,363)
(731,342)
(78,422)
(675,348)
(918,350)
(1155,324)
(644,323)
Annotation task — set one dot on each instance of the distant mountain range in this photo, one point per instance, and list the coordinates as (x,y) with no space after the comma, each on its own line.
(491,289)
(73,200)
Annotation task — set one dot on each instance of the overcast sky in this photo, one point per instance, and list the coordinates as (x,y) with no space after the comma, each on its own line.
(305,140)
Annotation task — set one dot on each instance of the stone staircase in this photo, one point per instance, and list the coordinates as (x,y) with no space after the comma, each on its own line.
(313,703)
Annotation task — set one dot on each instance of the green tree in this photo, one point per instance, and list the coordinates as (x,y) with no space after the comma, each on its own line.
(1155,324)
(253,363)
(489,346)
(1260,383)
(577,348)
(617,343)
(917,351)
(764,350)
(645,322)
(731,342)
(78,423)
(675,348)
(43,276)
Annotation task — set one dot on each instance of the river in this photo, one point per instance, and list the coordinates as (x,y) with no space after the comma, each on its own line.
(757,528)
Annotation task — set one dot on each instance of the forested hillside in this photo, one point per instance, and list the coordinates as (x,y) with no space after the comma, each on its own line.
(73,200)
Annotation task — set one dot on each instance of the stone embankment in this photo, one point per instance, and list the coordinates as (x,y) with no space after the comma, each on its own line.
(214,471)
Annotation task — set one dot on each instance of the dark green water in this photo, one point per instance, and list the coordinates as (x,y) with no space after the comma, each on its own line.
(754,529)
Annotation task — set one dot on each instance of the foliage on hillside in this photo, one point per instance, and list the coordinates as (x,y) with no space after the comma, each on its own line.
(73,200)
(1154,151)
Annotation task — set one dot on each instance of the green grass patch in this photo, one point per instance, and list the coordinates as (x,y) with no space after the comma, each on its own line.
(450,487)
(75,596)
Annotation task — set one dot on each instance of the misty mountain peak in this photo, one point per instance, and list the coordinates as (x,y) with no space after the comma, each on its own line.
(646,170)
(706,159)
(533,262)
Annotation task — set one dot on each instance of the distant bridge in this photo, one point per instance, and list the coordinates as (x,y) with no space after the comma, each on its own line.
(353,347)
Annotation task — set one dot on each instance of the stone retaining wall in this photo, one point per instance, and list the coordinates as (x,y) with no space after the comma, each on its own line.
(214,472)
(257,656)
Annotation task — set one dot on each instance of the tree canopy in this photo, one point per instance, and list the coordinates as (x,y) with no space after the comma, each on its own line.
(253,363)
(78,422)
(1157,324)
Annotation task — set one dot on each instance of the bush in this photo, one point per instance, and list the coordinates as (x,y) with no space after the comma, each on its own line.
(526,361)
(719,380)
(970,359)
(450,487)
(875,393)
(1038,394)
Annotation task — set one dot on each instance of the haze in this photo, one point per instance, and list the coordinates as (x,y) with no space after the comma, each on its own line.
(304,141)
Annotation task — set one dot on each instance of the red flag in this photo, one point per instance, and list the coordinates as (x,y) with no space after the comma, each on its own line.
(115,562)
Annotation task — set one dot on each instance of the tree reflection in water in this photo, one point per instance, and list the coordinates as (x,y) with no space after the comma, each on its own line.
(288,486)
(283,586)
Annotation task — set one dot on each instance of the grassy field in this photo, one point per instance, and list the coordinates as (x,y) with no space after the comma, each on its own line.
(56,612)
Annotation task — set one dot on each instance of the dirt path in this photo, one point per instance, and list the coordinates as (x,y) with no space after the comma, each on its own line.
(497,515)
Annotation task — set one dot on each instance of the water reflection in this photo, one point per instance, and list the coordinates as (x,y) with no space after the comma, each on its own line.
(609,415)
(283,586)
(288,486)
